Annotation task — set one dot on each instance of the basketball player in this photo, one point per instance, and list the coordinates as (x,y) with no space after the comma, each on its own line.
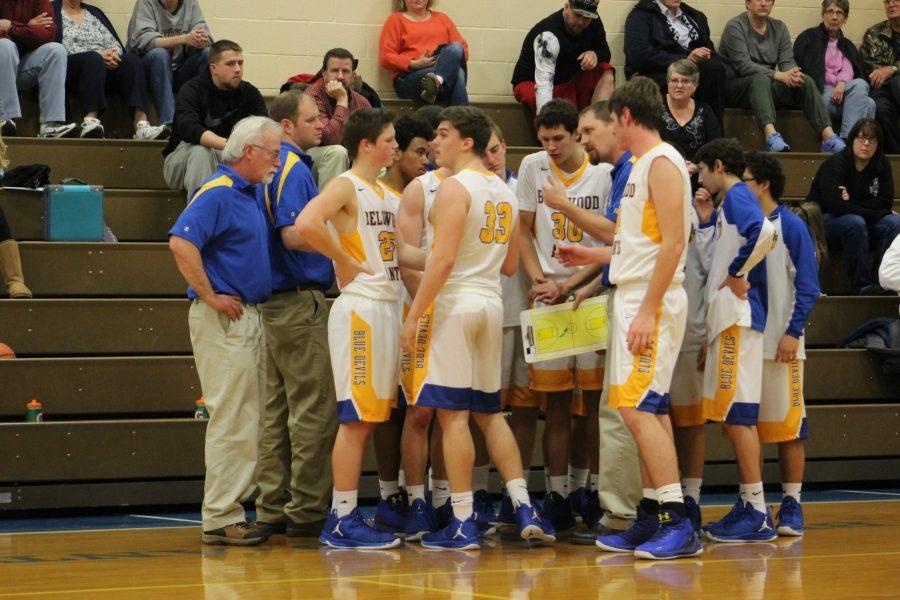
(364,320)
(457,344)
(543,229)
(792,282)
(736,318)
(647,260)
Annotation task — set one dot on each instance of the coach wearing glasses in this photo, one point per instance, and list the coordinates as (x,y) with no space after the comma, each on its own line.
(881,49)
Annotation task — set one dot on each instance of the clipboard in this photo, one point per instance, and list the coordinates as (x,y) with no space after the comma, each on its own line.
(557,331)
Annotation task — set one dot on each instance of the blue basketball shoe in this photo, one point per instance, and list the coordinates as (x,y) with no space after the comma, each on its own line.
(419,520)
(352,531)
(693,512)
(790,518)
(507,515)
(484,512)
(390,515)
(743,524)
(458,535)
(532,526)
(558,512)
(443,514)
(578,503)
(674,538)
(641,531)
(593,512)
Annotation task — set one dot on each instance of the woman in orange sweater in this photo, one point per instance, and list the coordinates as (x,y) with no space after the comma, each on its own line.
(426,53)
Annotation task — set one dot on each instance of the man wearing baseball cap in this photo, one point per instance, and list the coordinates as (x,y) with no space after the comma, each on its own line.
(565,56)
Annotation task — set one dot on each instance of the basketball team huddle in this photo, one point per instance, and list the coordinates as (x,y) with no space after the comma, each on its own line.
(709,282)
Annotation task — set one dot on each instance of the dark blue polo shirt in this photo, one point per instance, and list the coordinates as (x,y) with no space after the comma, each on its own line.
(226,222)
(283,199)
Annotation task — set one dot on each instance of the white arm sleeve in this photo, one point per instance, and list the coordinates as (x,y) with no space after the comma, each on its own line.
(546,51)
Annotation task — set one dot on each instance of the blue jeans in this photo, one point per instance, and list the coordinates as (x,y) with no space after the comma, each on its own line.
(450,66)
(852,235)
(44,67)
(856,105)
(164,81)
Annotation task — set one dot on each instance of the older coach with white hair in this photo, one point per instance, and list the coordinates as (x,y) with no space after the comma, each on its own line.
(220,244)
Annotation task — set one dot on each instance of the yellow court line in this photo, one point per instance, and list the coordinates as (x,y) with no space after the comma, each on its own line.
(414,574)
(423,588)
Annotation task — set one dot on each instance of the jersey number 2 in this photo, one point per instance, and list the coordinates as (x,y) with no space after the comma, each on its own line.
(498,223)
(388,243)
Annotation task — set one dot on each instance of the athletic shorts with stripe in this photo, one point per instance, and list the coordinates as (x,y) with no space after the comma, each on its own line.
(514,381)
(782,410)
(458,348)
(362,339)
(583,371)
(686,391)
(733,375)
(643,381)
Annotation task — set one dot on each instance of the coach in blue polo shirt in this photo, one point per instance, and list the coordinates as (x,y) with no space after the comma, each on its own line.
(220,243)
(300,421)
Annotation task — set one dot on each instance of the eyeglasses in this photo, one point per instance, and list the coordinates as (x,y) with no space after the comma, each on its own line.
(867,139)
(836,12)
(681,81)
(273,154)
(890,2)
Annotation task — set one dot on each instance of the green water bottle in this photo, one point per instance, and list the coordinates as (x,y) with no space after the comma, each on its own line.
(200,411)
(34,411)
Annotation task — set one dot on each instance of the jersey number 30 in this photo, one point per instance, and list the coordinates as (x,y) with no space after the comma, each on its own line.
(497,224)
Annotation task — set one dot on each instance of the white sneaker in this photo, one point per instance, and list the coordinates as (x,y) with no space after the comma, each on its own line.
(56,130)
(92,128)
(146,131)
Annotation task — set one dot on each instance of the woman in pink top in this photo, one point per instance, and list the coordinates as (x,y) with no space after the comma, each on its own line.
(426,54)
(834,63)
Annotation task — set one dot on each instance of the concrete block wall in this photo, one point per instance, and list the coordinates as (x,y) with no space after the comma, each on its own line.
(284,37)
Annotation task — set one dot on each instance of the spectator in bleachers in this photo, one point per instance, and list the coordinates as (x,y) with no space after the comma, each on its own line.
(425,53)
(97,60)
(659,32)
(206,109)
(687,123)
(762,76)
(565,56)
(336,101)
(29,57)
(173,40)
(220,243)
(10,264)
(834,63)
(855,189)
(300,417)
(881,49)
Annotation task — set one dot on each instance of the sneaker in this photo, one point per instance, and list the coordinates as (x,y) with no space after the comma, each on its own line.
(419,520)
(92,129)
(352,531)
(693,512)
(57,130)
(833,144)
(506,516)
(390,516)
(642,531)
(458,535)
(790,518)
(430,88)
(577,501)
(558,512)
(8,128)
(593,512)
(674,538)
(776,143)
(731,515)
(443,514)
(484,506)
(533,527)
(146,131)
(246,533)
(743,524)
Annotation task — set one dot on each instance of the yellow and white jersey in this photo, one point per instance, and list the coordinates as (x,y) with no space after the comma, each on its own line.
(588,188)
(430,181)
(374,243)
(493,213)
(637,238)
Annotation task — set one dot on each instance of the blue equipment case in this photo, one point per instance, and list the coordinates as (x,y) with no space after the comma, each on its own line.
(73,213)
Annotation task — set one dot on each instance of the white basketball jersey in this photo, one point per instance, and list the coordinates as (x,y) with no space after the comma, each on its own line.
(374,242)
(493,213)
(637,238)
(587,187)
(430,181)
(515,288)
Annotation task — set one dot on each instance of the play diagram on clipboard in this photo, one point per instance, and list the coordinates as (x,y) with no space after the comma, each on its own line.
(557,331)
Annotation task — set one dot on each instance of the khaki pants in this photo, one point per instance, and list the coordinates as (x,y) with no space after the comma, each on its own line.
(300,418)
(328,163)
(620,471)
(189,165)
(230,358)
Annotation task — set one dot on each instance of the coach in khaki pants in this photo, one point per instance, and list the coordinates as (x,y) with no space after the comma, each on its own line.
(220,243)
(300,421)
